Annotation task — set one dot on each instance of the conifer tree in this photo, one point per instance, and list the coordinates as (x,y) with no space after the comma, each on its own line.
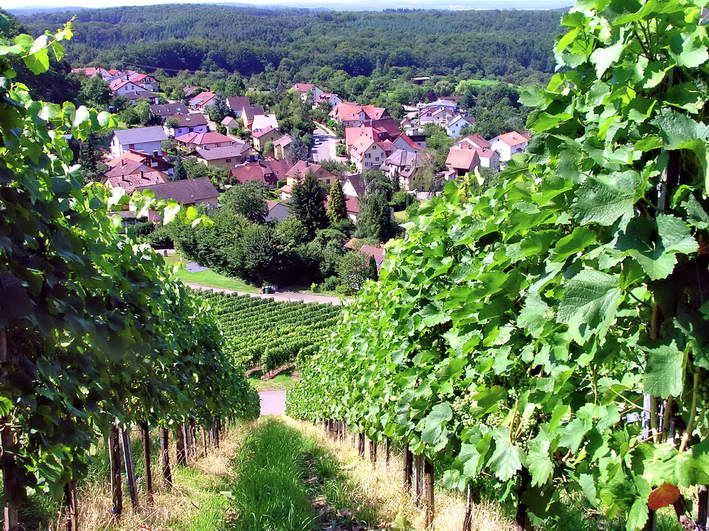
(336,207)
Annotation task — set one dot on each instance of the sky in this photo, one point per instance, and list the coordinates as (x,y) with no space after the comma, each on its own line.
(336,4)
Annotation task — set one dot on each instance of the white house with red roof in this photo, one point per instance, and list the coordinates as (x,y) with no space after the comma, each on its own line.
(405,143)
(369,154)
(488,157)
(123,87)
(509,144)
(328,98)
(462,161)
(210,139)
(146,81)
(203,100)
(307,90)
(455,125)
(354,115)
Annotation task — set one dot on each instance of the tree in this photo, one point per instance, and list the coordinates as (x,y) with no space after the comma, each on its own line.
(375,221)
(299,150)
(91,159)
(336,206)
(219,109)
(95,92)
(353,271)
(248,199)
(179,172)
(308,204)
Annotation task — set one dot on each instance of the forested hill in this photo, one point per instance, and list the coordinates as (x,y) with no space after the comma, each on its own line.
(511,45)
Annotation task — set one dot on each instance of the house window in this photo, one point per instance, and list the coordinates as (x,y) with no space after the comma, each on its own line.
(131,146)
(228,160)
(156,153)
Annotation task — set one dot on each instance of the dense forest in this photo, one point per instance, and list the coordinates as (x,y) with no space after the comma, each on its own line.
(294,44)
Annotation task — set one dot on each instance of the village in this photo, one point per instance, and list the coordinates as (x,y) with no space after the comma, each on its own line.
(356,142)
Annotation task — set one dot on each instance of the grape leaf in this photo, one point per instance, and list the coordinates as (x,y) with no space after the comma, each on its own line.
(603,200)
(663,373)
(589,302)
(506,459)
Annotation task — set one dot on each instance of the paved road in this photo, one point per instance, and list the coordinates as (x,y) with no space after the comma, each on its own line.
(280,296)
(273,402)
(324,146)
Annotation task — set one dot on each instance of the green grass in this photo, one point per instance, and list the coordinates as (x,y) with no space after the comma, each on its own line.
(209,279)
(278,473)
(282,381)
(212,496)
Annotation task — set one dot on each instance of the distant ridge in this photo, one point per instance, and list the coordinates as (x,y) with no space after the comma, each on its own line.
(33,10)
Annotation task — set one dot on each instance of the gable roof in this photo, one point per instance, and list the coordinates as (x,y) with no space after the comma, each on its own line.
(132,181)
(258,133)
(303,168)
(463,159)
(348,111)
(513,138)
(235,150)
(403,137)
(458,118)
(254,171)
(139,135)
(200,139)
(120,83)
(190,120)
(236,103)
(202,98)
(303,87)
(168,109)
(475,140)
(357,182)
(137,78)
(264,121)
(250,111)
(186,191)
(283,141)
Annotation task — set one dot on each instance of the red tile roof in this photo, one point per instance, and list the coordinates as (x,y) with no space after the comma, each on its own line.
(202,139)
(348,112)
(303,168)
(513,138)
(303,87)
(133,181)
(263,132)
(266,171)
(463,159)
(473,139)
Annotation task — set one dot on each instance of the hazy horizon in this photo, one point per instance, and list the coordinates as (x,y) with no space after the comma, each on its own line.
(21,5)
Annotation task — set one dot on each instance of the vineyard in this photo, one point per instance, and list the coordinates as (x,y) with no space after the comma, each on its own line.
(270,333)
(96,335)
(545,339)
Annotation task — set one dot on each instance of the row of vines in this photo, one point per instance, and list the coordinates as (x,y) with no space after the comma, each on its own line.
(95,332)
(549,333)
(270,333)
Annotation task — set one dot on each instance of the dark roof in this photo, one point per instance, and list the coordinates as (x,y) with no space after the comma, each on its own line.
(357,182)
(186,192)
(139,135)
(168,109)
(216,153)
(236,103)
(190,120)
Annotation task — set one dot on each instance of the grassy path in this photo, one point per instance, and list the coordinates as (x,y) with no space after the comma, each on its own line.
(285,481)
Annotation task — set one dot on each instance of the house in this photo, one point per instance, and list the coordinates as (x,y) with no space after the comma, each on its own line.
(146,81)
(163,110)
(210,139)
(187,192)
(281,147)
(462,161)
(133,169)
(277,210)
(143,139)
(509,144)
(449,103)
(181,124)
(203,100)
(133,160)
(405,143)
(456,124)
(354,185)
(352,205)
(327,98)
(249,113)
(302,168)
(123,87)
(475,141)
(307,90)
(134,97)
(237,103)
(230,122)
(261,137)
(354,115)
(367,153)
(268,172)
(404,166)
(189,91)
(436,115)
(224,156)
(374,251)
(264,121)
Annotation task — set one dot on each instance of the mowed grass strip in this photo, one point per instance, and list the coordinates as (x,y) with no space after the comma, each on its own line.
(269,492)
(286,481)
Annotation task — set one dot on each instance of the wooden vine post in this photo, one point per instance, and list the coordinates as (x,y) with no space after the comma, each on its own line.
(147,465)
(521,517)
(71,518)
(360,446)
(13,490)
(193,438)
(130,472)
(387,451)
(428,480)
(165,457)
(116,486)
(418,467)
(180,458)
(373,451)
(408,469)
(468,519)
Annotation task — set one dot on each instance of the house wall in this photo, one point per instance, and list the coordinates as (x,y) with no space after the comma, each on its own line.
(226,163)
(348,189)
(118,149)
(179,131)
(372,158)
